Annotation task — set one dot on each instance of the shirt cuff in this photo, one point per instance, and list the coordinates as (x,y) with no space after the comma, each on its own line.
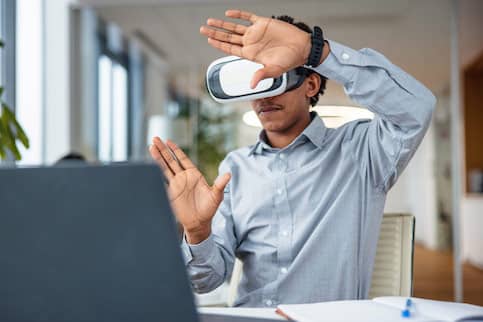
(199,252)
(341,63)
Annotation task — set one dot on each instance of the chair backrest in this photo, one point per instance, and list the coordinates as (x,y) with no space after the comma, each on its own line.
(393,266)
(234,281)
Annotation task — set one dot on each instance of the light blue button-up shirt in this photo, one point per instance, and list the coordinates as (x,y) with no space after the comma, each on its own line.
(305,219)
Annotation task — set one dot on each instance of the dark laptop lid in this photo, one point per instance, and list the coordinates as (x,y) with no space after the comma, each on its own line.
(89,243)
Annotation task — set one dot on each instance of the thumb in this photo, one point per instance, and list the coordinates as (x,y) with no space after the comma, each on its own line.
(265,72)
(221,182)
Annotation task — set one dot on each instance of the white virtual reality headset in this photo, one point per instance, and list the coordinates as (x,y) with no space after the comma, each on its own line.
(228,80)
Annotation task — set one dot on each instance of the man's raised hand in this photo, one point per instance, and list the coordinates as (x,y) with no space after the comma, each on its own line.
(278,45)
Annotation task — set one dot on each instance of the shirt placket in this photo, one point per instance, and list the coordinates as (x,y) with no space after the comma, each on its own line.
(284,223)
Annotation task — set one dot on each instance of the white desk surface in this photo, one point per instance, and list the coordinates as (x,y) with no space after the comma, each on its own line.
(268,313)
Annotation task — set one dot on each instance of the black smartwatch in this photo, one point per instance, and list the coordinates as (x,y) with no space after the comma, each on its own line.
(317,40)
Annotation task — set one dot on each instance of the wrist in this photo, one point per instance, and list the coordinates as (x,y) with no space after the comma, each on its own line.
(306,51)
(317,44)
(196,236)
(316,48)
(325,52)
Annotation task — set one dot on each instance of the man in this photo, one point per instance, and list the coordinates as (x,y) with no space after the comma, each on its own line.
(302,207)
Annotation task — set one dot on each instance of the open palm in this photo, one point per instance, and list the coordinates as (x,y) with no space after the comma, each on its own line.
(193,201)
(277,45)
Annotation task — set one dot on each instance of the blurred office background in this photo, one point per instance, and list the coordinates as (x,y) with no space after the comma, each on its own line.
(101,77)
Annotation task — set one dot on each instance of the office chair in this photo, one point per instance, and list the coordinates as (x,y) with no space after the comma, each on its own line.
(393,265)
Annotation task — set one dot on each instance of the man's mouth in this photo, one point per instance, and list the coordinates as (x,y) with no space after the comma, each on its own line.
(268,109)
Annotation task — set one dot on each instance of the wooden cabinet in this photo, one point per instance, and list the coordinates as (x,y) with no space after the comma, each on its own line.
(473,119)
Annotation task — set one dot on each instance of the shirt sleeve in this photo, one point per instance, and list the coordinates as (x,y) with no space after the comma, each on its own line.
(210,262)
(402,106)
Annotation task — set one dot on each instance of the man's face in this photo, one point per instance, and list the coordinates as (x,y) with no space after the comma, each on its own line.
(280,113)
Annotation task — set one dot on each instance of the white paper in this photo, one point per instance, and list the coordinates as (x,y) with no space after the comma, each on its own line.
(349,311)
(444,311)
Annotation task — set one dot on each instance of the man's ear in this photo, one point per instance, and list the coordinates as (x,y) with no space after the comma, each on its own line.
(312,84)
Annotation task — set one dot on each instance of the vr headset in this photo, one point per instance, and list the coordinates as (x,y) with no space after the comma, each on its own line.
(228,80)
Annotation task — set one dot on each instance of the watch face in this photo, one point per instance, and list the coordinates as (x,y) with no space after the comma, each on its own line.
(228,80)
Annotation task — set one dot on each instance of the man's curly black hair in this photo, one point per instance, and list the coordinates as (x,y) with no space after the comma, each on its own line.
(301,25)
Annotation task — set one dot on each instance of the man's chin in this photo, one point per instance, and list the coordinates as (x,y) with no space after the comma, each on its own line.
(273,126)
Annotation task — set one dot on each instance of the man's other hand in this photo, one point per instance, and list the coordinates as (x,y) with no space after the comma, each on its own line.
(193,201)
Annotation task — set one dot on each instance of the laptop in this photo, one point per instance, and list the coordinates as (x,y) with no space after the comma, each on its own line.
(91,243)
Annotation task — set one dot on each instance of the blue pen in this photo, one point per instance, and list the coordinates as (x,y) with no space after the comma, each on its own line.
(406,313)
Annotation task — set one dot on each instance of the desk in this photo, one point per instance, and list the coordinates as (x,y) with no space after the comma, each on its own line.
(268,313)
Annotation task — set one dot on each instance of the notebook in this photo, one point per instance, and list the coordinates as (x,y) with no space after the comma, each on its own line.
(382,309)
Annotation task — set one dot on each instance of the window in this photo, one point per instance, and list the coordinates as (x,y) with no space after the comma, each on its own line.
(113,106)
(113,110)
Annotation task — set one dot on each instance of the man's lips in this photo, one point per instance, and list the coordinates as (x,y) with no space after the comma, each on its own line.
(266,109)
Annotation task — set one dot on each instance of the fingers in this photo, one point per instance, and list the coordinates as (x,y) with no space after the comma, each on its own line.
(167,156)
(265,72)
(221,35)
(226,47)
(229,26)
(239,14)
(181,156)
(221,182)
(156,155)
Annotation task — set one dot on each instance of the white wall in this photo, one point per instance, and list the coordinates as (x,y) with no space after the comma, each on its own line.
(156,96)
(43,97)
(29,76)
(56,79)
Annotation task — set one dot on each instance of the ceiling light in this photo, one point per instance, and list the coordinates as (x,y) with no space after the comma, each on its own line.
(332,116)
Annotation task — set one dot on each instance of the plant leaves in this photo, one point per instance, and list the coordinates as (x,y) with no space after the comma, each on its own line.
(8,137)
(3,154)
(10,144)
(20,133)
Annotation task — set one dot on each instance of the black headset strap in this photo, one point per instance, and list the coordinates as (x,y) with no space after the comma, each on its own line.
(296,77)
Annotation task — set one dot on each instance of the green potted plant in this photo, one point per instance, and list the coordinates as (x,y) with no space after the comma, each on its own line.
(10,130)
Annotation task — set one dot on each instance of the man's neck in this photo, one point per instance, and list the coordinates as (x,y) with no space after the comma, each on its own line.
(282,139)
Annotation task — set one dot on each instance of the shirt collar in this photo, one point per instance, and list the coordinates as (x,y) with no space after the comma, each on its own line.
(315,132)
(260,145)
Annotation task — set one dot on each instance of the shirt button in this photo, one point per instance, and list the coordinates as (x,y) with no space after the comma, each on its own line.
(284,233)
(345,56)
(284,270)
(282,156)
(279,191)
(268,302)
